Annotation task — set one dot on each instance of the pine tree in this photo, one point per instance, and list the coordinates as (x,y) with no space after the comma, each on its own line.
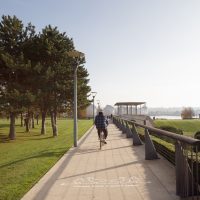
(14,68)
(36,73)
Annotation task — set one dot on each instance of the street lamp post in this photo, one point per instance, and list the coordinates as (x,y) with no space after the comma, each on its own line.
(93,96)
(98,103)
(76,55)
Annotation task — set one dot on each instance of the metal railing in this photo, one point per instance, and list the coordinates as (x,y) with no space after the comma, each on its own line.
(185,155)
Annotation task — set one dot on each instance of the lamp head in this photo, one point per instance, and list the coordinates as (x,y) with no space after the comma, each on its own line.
(93,94)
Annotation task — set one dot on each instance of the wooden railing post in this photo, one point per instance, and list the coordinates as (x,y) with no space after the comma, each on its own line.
(136,138)
(128,131)
(150,150)
(182,173)
(187,164)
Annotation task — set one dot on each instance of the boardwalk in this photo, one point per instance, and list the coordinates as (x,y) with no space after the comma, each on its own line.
(117,172)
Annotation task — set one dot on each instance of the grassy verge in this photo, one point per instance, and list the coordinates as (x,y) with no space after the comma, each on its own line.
(189,127)
(31,155)
(156,139)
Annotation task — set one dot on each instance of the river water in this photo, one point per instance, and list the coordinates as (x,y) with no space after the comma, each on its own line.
(169,117)
(166,117)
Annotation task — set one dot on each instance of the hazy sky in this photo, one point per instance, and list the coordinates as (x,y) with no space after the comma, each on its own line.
(136,50)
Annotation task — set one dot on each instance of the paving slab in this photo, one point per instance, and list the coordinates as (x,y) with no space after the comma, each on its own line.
(118,171)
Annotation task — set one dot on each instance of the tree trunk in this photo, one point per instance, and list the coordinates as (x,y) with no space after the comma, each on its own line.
(37,118)
(12,126)
(43,128)
(55,117)
(55,124)
(55,131)
(26,120)
(54,127)
(33,122)
(52,121)
(29,120)
(22,119)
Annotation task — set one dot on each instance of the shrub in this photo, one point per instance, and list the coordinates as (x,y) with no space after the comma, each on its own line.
(187,113)
(170,129)
(197,136)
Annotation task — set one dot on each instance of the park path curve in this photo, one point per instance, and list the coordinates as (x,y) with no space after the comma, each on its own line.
(117,172)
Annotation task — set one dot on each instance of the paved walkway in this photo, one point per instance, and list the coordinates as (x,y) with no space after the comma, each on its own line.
(117,172)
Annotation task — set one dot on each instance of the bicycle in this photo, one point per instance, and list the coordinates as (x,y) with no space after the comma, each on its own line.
(101,139)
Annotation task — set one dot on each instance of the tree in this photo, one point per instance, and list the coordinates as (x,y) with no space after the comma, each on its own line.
(59,73)
(57,68)
(37,74)
(187,113)
(14,67)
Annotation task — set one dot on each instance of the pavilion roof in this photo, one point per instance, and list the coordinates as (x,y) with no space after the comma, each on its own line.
(129,103)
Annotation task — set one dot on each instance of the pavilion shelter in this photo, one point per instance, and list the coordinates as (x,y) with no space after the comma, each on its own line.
(129,108)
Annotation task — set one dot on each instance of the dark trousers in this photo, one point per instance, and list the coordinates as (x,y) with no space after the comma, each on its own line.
(105,131)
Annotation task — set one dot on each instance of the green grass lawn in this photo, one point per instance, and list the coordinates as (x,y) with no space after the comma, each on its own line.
(189,127)
(26,159)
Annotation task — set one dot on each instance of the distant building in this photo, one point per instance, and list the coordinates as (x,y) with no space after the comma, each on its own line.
(108,110)
(131,108)
(89,110)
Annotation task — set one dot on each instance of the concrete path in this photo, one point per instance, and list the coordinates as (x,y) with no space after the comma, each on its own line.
(117,172)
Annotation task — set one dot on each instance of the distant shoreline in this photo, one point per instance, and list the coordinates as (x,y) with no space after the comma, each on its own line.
(165,117)
(169,117)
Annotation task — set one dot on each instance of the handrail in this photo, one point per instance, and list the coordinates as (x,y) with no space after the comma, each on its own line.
(182,138)
(186,155)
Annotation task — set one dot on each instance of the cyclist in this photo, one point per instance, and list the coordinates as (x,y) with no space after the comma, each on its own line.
(101,124)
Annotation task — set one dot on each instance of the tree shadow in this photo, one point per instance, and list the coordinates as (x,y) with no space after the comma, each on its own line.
(4,138)
(42,193)
(4,125)
(93,150)
(41,154)
(49,137)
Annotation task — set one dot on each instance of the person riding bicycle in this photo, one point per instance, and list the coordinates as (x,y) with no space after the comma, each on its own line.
(101,124)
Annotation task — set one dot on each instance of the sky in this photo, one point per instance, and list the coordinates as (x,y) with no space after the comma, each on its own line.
(136,50)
